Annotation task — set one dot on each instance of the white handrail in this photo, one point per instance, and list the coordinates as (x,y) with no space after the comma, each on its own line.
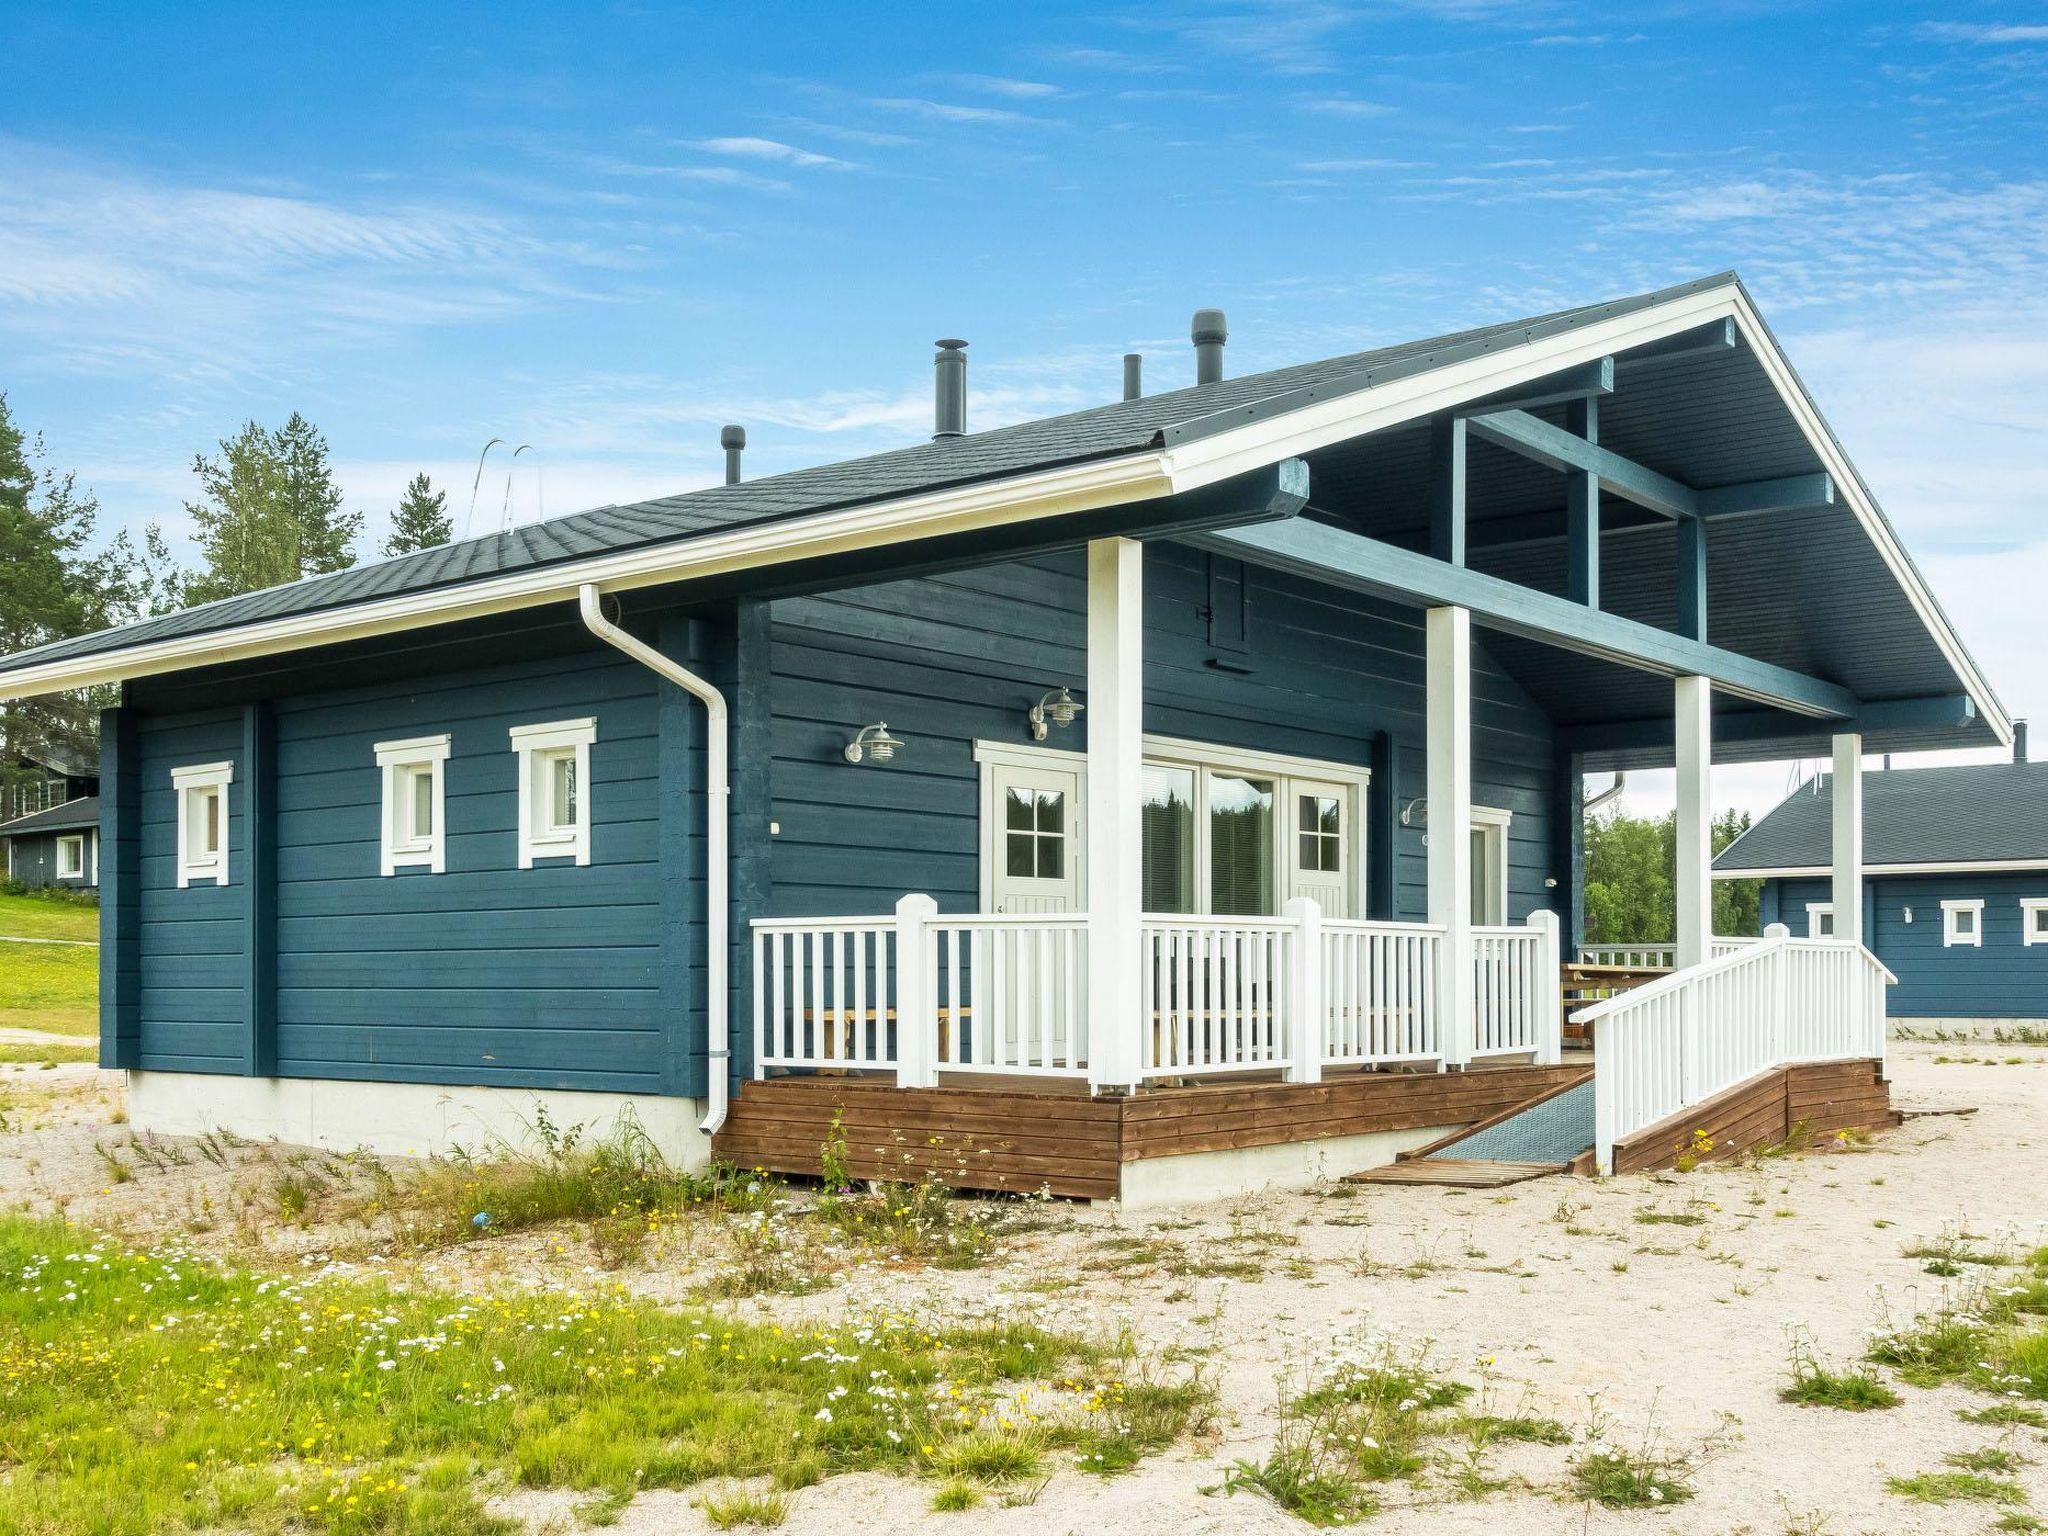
(1683,1038)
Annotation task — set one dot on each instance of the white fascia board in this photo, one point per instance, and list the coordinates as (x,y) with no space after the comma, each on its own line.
(1947,867)
(929,514)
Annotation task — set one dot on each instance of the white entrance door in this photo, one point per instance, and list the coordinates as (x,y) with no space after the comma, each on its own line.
(1489,873)
(1319,844)
(1021,986)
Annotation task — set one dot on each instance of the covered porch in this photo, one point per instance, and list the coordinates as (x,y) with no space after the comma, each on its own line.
(1102,986)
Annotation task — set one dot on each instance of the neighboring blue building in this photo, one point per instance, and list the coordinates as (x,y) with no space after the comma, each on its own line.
(389,852)
(1955,891)
(50,821)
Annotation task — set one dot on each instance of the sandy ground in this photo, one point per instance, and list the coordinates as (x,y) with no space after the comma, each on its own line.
(1672,1330)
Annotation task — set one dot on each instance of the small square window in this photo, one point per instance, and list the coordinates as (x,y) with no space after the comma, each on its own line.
(414,803)
(1962,924)
(2034,920)
(554,790)
(71,857)
(1321,835)
(1035,834)
(1820,920)
(202,791)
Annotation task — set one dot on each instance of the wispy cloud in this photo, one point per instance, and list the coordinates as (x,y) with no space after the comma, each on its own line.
(748,148)
(1360,163)
(955,112)
(1001,85)
(1345,106)
(1984,32)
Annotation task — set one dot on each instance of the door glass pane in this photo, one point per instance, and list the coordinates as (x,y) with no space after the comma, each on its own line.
(1019,856)
(1017,810)
(1168,839)
(1052,858)
(1240,846)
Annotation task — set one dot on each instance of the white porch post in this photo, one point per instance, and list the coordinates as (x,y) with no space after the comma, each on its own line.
(1447,637)
(1848,838)
(1116,668)
(1694,875)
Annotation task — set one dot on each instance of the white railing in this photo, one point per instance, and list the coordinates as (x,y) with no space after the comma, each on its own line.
(1685,1037)
(1515,999)
(1216,994)
(1637,957)
(920,993)
(1008,993)
(824,992)
(1379,992)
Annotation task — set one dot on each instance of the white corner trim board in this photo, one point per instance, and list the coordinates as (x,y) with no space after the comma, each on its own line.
(202,791)
(554,789)
(1962,923)
(403,842)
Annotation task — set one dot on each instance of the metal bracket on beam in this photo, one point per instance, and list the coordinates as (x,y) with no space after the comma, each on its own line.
(1715,336)
(1583,382)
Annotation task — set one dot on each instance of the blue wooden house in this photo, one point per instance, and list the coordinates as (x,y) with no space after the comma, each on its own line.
(1178,794)
(50,821)
(1955,883)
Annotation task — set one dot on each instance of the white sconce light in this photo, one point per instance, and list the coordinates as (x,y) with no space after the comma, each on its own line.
(1058,706)
(1909,914)
(1415,813)
(873,744)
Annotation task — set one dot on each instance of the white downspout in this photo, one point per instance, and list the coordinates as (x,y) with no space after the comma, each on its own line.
(718,791)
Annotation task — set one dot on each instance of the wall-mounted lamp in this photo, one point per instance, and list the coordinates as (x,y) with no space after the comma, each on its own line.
(873,744)
(1415,813)
(1909,914)
(1058,706)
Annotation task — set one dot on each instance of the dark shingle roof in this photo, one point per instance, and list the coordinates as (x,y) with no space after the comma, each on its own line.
(1103,432)
(68,817)
(1983,813)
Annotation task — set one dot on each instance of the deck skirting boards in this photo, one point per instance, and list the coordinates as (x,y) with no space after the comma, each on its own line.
(399,1119)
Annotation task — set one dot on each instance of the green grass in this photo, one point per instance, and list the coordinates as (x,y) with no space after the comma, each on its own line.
(48,917)
(156,1392)
(1853,1391)
(1953,1487)
(1620,1480)
(53,987)
(19,1053)
(1988,1335)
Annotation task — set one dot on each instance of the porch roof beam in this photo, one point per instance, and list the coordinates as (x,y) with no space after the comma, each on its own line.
(1714,336)
(1743,726)
(1795,493)
(1586,381)
(1318,552)
(1534,438)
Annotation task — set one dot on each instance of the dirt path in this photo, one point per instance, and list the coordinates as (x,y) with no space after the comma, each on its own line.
(1585,1296)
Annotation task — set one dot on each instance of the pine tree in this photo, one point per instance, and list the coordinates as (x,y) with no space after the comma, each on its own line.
(271,511)
(421,520)
(53,585)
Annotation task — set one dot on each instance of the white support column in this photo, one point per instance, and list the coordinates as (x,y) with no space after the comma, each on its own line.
(1694,875)
(917,1045)
(1848,838)
(1447,635)
(1550,1022)
(1116,677)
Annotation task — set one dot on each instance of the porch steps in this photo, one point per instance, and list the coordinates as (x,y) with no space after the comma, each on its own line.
(1458,1172)
(1541,1135)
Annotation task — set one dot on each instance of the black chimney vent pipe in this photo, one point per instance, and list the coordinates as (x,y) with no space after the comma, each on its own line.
(950,389)
(1134,375)
(1209,334)
(2019,741)
(734,441)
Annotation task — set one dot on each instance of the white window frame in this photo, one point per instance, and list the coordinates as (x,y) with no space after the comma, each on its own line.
(2029,935)
(190,782)
(535,746)
(76,842)
(399,846)
(1203,757)
(1815,911)
(1951,938)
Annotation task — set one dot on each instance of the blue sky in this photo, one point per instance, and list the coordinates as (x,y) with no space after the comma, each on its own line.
(605,232)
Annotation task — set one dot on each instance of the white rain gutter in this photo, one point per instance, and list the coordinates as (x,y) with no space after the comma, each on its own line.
(718,790)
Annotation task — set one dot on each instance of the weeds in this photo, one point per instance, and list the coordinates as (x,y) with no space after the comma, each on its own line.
(1949,1487)
(1816,1386)
(1649,1473)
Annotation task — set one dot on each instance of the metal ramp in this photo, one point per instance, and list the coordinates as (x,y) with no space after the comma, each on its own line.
(1541,1136)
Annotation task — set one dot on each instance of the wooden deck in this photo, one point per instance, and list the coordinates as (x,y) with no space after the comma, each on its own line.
(1023,1136)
